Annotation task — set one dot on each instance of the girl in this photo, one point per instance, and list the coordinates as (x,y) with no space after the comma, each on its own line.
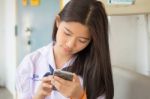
(80,45)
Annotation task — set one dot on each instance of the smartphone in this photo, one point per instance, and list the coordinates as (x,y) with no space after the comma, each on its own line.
(64,74)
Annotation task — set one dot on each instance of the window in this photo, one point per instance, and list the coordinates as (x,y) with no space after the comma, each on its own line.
(121,1)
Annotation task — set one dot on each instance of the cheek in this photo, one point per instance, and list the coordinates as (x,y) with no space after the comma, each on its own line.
(58,35)
(60,38)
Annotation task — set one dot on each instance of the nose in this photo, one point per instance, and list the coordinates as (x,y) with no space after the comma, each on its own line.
(71,43)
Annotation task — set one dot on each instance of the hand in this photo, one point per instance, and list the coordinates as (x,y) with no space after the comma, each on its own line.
(44,89)
(69,89)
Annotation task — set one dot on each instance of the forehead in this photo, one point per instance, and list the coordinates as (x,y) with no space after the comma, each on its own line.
(77,28)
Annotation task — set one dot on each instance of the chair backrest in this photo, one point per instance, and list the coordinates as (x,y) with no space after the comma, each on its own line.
(130,85)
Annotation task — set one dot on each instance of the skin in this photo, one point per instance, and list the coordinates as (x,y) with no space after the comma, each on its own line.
(71,38)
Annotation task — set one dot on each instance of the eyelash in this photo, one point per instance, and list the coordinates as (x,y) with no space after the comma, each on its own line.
(82,41)
(67,34)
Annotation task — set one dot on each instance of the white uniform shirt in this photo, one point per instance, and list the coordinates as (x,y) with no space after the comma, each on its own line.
(33,68)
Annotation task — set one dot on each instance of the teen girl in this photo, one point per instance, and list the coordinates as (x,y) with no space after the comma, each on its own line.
(80,45)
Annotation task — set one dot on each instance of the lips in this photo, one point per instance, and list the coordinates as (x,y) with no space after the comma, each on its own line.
(67,50)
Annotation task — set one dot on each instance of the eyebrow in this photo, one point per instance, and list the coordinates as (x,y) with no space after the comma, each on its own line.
(72,33)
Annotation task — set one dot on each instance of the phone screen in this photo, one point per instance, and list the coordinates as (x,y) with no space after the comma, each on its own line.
(64,74)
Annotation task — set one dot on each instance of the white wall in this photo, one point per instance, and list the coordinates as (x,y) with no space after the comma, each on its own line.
(10,48)
(2,32)
(129,42)
(7,44)
(142,44)
(149,42)
(123,41)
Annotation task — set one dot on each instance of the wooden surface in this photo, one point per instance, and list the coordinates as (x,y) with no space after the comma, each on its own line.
(139,7)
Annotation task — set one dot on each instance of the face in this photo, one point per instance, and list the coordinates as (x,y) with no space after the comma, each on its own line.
(71,37)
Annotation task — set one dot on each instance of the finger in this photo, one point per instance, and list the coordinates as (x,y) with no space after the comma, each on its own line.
(47,89)
(46,92)
(47,79)
(46,86)
(75,78)
(57,84)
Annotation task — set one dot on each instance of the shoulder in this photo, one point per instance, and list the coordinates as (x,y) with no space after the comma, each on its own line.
(41,52)
(30,59)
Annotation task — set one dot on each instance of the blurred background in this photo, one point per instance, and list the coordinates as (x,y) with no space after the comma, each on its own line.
(26,25)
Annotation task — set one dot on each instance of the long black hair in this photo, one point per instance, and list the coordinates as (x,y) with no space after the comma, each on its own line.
(92,63)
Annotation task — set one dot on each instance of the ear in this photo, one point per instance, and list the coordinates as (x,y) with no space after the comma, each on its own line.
(58,20)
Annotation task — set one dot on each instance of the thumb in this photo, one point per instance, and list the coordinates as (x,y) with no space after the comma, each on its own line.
(75,78)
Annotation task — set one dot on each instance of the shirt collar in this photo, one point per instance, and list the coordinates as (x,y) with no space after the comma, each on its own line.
(50,56)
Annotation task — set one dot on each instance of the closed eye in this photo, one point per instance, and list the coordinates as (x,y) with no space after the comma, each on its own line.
(83,41)
(68,34)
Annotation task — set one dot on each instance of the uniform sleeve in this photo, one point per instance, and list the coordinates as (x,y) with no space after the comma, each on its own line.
(24,79)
